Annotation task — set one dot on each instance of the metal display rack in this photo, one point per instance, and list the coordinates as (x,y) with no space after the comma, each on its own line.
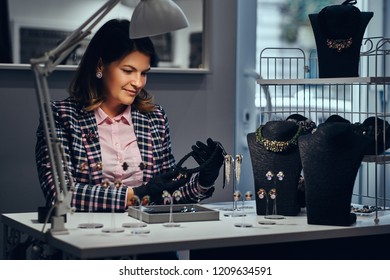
(289,84)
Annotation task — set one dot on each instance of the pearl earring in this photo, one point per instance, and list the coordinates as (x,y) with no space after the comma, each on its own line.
(99,75)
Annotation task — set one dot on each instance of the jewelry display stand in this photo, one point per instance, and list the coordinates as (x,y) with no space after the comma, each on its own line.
(276,168)
(355,99)
(168,200)
(338,34)
(233,169)
(243,223)
(90,223)
(272,197)
(137,227)
(113,228)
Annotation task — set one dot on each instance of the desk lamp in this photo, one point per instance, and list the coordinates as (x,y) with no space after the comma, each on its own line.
(150,17)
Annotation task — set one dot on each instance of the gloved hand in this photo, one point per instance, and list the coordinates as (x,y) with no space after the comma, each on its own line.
(211,156)
(165,182)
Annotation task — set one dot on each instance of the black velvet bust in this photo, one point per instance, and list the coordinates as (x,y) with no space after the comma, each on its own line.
(333,62)
(331,158)
(288,162)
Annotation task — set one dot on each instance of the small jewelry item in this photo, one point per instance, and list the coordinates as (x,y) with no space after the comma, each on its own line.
(277,146)
(228,163)
(177,195)
(339,44)
(99,166)
(166,197)
(99,74)
(105,184)
(280,175)
(269,175)
(237,166)
(84,166)
(261,193)
(272,193)
(236,195)
(145,200)
(134,201)
(248,195)
(180,176)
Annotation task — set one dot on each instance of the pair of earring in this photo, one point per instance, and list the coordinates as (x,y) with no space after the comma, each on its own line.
(261,193)
(168,198)
(237,195)
(279,175)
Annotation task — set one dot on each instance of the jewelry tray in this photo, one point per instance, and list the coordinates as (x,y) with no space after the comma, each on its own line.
(160,213)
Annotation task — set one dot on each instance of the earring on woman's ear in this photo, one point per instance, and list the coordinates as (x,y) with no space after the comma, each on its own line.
(99,74)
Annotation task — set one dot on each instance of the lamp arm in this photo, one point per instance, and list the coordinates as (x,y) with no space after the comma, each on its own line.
(42,68)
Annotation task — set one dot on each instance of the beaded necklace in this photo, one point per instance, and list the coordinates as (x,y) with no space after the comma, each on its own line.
(276,146)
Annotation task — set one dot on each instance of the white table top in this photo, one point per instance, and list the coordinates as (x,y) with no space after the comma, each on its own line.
(93,243)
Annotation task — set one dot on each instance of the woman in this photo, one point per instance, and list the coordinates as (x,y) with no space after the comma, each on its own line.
(116,141)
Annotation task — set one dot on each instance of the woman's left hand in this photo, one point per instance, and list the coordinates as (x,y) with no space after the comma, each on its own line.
(211,156)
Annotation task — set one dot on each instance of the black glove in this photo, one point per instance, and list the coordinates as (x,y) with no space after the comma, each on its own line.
(210,157)
(154,188)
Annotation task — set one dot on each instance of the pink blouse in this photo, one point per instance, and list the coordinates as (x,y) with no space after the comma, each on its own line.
(120,153)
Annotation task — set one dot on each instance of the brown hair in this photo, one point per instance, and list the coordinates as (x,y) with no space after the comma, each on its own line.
(110,43)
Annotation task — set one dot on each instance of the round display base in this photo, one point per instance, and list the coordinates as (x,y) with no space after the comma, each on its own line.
(134,225)
(243,225)
(274,217)
(265,222)
(137,231)
(90,225)
(113,230)
(226,209)
(235,214)
(171,225)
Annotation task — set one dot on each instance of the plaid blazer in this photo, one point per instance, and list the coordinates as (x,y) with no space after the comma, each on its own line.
(77,131)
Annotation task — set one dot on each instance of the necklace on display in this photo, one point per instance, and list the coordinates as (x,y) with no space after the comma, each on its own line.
(277,146)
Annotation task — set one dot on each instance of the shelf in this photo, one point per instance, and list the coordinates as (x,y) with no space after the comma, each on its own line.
(323,81)
(167,70)
(380,159)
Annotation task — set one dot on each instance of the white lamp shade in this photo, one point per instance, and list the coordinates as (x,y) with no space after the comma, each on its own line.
(155,17)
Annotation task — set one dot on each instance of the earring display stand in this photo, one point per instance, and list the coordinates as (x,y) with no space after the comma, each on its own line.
(272,194)
(90,223)
(243,224)
(237,212)
(168,198)
(139,226)
(113,228)
(236,170)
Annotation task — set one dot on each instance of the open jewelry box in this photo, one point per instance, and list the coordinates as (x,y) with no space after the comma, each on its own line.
(180,213)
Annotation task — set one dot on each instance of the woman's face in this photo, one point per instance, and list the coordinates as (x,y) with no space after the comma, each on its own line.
(123,80)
